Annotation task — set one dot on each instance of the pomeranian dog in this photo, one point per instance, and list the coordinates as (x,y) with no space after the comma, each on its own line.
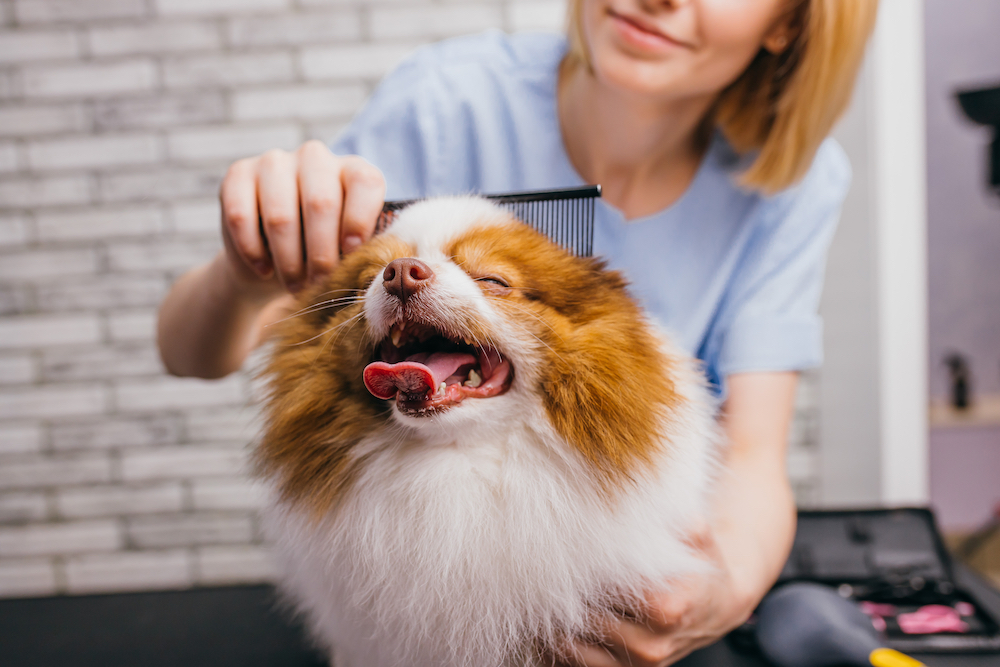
(477,445)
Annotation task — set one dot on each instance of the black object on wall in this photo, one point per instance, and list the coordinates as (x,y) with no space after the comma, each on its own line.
(983,107)
(959,380)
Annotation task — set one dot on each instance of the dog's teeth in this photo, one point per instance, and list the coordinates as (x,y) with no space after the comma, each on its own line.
(397,336)
(475,379)
(467,342)
(402,325)
(441,389)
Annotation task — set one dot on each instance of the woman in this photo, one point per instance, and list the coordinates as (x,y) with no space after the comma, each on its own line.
(703,120)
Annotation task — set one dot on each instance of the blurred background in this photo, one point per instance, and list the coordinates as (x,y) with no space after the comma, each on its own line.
(117,121)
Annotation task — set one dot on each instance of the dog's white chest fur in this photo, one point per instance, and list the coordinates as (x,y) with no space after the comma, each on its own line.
(475,550)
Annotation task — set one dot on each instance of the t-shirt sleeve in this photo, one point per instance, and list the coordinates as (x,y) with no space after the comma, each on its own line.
(774,324)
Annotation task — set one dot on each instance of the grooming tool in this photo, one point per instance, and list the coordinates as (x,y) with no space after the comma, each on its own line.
(566,216)
(809,625)
(932,618)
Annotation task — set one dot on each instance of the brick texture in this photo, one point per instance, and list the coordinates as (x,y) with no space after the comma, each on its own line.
(129,571)
(117,121)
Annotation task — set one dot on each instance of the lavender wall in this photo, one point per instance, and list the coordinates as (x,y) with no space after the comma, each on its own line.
(963,51)
(965,476)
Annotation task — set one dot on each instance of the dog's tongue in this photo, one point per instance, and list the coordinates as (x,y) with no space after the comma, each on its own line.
(417,375)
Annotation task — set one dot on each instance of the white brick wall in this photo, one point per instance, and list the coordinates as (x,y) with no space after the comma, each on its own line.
(117,120)
(94,152)
(76,11)
(60,538)
(213,143)
(26,577)
(89,80)
(158,37)
(29,45)
(129,571)
(98,501)
(19,120)
(19,438)
(30,331)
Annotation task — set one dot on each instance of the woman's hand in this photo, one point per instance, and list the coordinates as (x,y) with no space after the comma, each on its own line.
(678,620)
(746,546)
(286,220)
(287,217)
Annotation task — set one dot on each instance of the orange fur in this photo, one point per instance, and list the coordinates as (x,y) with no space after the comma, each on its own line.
(606,383)
(317,407)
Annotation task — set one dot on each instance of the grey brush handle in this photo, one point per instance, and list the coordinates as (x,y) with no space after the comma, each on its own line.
(809,625)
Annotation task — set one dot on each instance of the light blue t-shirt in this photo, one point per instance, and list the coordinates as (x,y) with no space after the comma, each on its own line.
(734,276)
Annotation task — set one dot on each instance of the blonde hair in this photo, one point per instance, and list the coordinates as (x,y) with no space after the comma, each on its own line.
(784,104)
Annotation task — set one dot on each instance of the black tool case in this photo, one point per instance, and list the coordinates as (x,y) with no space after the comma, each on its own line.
(889,556)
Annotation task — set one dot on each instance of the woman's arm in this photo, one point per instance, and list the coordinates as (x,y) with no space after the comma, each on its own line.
(748,541)
(755,524)
(286,219)
(210,322)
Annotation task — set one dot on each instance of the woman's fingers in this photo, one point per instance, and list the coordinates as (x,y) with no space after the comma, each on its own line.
(321,199)
(667,609)
(581,654)
(364,194)
(240,221)
(278,203)
(635,644)
(292,214)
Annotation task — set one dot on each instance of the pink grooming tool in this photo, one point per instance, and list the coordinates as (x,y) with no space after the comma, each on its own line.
(965,609)
(930,619)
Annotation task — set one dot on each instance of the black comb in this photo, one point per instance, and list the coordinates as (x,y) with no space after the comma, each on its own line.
(566,216)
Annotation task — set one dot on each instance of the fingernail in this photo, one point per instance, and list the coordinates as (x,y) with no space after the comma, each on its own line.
(351,243)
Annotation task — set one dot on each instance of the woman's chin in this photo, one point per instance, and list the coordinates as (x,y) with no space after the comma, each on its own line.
(650,79)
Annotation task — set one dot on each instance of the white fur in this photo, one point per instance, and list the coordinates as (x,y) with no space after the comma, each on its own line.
(470,538)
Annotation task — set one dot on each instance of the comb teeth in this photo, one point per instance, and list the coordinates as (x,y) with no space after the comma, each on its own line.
(565,216)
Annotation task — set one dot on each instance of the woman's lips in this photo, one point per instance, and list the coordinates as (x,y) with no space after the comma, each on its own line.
(642,35)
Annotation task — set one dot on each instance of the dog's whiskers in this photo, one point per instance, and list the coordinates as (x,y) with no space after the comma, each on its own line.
(319,306)
(323,333)
(352,321)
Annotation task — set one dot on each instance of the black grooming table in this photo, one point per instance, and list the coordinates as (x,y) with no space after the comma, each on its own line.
(239,627)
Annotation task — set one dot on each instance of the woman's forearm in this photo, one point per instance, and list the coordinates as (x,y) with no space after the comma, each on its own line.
(209,322)
(756,522)
(755,511)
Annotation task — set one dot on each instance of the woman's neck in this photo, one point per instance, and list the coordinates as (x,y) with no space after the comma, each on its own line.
(643,152)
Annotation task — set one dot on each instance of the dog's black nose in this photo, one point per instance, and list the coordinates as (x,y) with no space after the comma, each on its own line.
(406,276)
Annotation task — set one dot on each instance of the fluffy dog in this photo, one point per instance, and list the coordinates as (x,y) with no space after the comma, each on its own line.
(477,445)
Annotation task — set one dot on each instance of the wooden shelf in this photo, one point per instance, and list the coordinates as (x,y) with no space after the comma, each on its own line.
(985,411)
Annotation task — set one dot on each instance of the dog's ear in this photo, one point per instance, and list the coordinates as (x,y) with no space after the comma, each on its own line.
(608,385)
(315,411)
(606,382)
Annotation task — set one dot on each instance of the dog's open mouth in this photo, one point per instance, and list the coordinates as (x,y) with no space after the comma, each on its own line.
(427,371)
